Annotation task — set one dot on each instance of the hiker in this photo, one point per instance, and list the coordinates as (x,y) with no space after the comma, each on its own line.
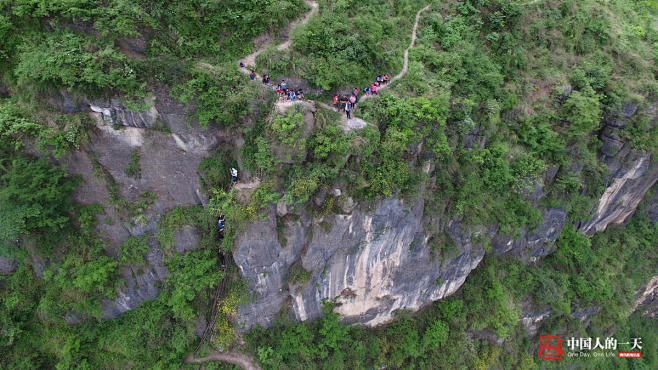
(300,94)
(366,90)
(352,101)
(266,80)
(241,65)
(385,79)
(335,100)
(355,91)
(373,88)
(234,174)
(252,75)
(348,108)
(283,84)
(293,96)
(378,79)
(220,226)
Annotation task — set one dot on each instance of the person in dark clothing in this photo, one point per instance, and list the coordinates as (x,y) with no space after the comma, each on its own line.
(266,79)
(348,109)
(252,75)
(241,65)
(220,226)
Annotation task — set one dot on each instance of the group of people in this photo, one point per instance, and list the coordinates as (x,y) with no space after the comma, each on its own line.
(280,89)
(348,104)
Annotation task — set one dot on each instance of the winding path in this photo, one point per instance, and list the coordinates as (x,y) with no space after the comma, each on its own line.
(405,65)
(242,360)
(354,123)
(250,60)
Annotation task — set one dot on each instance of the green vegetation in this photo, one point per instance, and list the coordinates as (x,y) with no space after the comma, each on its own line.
(134,249)
(221,94)
(347,43)
(502,113)
(215,171)
(297,274)
(83,45)
(35,196)
(133,169)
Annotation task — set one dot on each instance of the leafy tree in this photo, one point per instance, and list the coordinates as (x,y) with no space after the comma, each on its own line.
(582,111)
(34,195)
(190,274)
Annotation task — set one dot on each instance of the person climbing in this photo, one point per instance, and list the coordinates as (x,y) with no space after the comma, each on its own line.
(348,108)
(378,79)
(220,226)
(252,75)
(366,90)
(385,79)
(373,88)
(234,174)
(283,84)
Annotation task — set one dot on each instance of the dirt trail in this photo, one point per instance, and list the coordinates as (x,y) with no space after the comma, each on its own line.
(358,123)
(239,359)
(405,66)
(250,60)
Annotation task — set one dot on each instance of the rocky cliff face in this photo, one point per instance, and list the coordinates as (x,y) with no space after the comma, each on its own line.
(170,151)
(631,172)
(647,301)
(370,262)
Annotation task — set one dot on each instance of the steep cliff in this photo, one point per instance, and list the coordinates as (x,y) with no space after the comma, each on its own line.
(631,172)
(373,260)
(169,152)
